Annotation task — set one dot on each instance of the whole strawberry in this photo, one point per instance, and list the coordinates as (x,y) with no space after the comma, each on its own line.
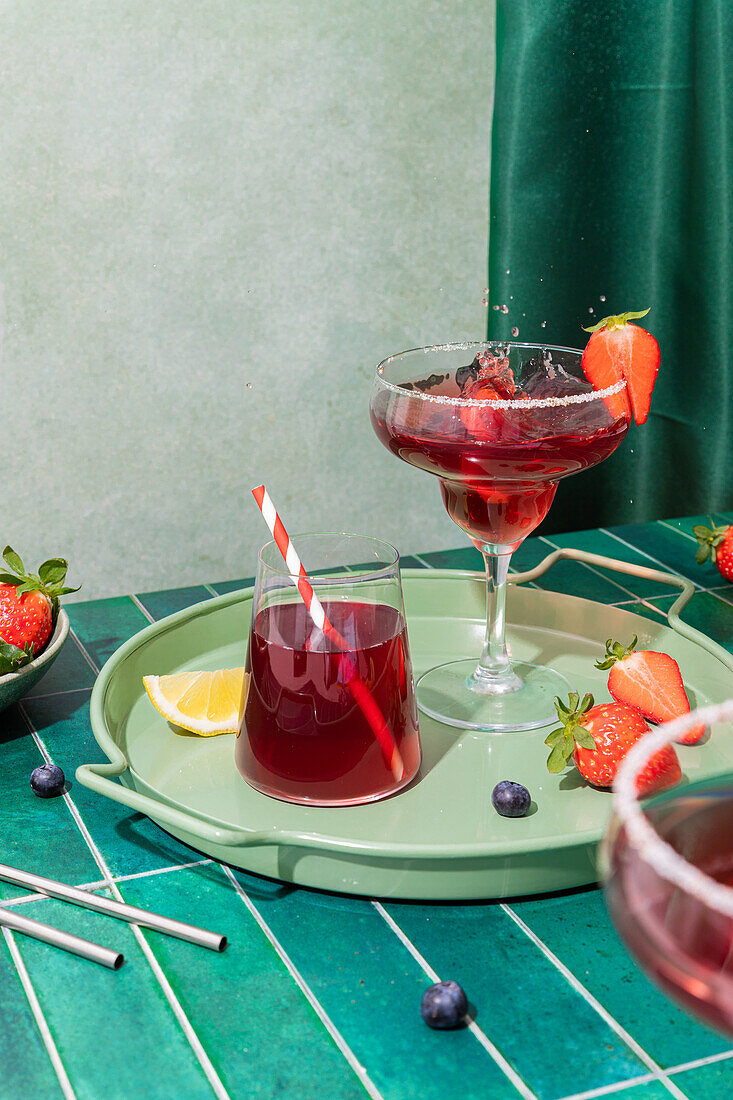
(29,604)
(649,681)
(715,542)
(598,737)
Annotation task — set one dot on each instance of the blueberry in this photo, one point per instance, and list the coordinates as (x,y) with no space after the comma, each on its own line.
(47,781)
(510,799)
(444,1006)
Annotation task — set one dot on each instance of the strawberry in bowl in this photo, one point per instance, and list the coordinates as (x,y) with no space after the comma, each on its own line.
(33,627)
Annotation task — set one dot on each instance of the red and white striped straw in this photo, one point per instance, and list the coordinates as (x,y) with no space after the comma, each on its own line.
(362,696)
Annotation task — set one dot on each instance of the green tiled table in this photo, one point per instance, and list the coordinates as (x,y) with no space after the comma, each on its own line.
(318,995)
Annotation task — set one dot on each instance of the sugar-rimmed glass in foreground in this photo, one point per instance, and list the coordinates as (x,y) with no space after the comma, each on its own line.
(499,461)
(668,870)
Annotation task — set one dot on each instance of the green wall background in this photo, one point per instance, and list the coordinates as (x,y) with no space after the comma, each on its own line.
(216,218)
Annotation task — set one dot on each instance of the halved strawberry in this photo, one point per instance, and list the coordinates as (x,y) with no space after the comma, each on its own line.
(619,350)
(598,737)
(649,681)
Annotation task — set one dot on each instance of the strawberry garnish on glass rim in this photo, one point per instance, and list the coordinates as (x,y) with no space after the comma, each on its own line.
(618,349)
(29,605)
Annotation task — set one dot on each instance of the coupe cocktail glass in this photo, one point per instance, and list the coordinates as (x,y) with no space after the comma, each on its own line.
(668,870)
(499,462)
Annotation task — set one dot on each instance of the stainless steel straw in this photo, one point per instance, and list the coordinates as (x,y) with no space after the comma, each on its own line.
(57,938)
(118,909)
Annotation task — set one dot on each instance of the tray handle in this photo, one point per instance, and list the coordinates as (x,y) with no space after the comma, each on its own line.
(687,587)
(99,778)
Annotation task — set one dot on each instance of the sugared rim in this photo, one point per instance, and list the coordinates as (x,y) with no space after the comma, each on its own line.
(645,840)
(469,402)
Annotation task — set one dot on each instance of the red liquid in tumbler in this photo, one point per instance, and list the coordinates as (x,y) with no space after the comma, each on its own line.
(497,490)
(686,947)
(303,735)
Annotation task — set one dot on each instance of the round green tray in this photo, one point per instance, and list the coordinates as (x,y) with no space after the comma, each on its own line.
(440,838)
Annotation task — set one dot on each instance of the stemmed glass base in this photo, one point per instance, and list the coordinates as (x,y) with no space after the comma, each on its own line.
(457,693)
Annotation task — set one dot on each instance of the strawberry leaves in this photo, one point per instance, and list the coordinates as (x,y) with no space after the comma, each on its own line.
(709,539)
(12,658)
(570,732)
(616,652)
(49,579)
(617,320)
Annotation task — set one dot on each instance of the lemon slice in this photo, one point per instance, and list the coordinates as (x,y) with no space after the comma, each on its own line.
(206,703)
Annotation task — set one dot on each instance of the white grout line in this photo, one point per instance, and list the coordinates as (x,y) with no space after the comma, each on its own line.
(617,1086)
(592,569)
(210,589)
(92,664)
(665,568)
(645,1078)
(587,996)
(41,1023)
(141,607)
(478,1033)
(53,694)
(305,989)
(677,530)
(186,1026)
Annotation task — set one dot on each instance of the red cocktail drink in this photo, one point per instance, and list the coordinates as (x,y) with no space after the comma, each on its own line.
(500,425)
(498,486)
(304,735)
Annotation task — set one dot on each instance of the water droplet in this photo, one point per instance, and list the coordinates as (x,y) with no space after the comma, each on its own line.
(591,310)
(508,271)
(603,297)
(484,301)
(496,307)
(486,290)
(249,385)
(544,324)
(504,309)
(511,297)
(515,332)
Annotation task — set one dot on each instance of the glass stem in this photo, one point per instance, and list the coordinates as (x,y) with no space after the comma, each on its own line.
(493,674)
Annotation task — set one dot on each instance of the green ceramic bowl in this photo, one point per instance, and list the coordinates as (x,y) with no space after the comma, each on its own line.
(15,685)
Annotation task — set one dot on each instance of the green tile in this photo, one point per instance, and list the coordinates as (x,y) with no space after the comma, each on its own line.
(167,602)
(129,842)
(671,549)
(519,994)
(467,557)
(103,625)
(711,1082)
(222,587)
(115,1032)
(28,822)
(411,562)
(706,611)
(371,987)
(577,928)
(261,1034)
(575,579)
(26,1067)
(70,672)
(649,1090)
(599,542)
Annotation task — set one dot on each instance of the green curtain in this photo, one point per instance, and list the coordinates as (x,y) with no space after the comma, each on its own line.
(611,179)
